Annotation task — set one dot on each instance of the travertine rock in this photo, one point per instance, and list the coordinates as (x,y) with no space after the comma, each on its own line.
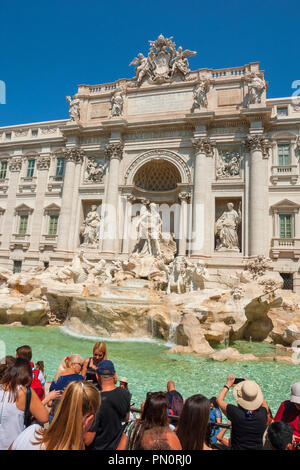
(231,354)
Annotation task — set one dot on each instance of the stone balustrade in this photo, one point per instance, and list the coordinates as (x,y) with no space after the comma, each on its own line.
(20,241)
(229,73)
(48,241)
(15,134)
(284,246)
(284,172)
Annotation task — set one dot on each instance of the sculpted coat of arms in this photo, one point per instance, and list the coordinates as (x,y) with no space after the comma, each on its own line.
(163,63)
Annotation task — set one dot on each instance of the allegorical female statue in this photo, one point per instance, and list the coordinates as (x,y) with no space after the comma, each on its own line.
(90,228)
(226,229)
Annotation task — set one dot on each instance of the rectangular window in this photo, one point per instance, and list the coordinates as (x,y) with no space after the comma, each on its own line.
(3,170)
(34,132)
(53,222)
(23,224)
(284,154)
(17,266)
(282,111)
(60,167)
(286,226)
(8,136)
(30,168)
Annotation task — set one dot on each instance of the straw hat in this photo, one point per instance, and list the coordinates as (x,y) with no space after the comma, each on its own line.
(124,380)
(248,395)
(295,393)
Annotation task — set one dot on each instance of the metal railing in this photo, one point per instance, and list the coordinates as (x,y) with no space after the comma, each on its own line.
(176,418)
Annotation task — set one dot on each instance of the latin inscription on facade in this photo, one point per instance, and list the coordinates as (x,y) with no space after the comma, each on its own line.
(160,102)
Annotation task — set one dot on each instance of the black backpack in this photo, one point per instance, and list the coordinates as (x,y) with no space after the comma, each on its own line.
(176,404)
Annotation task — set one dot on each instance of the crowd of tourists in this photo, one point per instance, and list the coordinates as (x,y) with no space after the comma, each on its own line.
(86,407)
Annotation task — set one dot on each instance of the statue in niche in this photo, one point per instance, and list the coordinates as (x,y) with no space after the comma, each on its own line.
(74,110)
(226,229)
(200,95)
(256,87)
(94,171)
(90,228)
(117,101)
(155,225)
(149,232)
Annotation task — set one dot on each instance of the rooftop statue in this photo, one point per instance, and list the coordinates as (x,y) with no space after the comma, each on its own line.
(200,95)
(117,102)
(74,110)
(256,87)
(163,62)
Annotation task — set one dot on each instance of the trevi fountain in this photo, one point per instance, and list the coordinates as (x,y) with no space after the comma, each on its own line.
(207,142)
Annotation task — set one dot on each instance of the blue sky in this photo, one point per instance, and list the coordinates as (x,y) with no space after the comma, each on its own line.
(49,47)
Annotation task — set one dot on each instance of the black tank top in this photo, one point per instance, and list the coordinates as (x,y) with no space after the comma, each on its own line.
(91,374)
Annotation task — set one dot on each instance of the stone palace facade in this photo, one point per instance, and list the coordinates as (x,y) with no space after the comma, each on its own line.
(219,159)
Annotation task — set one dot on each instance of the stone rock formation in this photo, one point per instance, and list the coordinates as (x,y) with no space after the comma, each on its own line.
(144,296)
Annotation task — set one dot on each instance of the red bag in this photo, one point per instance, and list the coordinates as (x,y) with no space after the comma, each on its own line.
(36,385)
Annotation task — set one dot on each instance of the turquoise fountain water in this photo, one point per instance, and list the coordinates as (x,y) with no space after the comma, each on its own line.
(149,366)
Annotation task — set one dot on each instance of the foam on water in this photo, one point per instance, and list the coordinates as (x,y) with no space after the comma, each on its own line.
(65,330)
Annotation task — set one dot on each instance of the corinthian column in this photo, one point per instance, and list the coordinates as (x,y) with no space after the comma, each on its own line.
(43,164)
(15,165)
(203,167)
(259,239)
(114,152)
(73,156)
(184,199)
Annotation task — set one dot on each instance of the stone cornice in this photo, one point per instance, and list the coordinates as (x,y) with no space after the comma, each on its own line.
(203,145)
(114,150)
(259,143)
(74,154)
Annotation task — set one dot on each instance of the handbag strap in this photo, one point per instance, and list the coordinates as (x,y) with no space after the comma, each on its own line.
(27,406)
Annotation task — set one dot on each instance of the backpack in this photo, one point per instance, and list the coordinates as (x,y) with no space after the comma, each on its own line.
(36,385)
(176,404)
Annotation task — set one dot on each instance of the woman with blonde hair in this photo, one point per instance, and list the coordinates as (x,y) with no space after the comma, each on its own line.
(68,371)
(91,363)
(73,418)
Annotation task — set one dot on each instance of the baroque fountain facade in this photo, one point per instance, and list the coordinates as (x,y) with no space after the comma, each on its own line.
(166,206)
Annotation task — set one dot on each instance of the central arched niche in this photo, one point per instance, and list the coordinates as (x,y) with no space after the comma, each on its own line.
(157,175)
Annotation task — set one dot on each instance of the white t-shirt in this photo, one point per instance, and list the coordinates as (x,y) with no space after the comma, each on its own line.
(27,438)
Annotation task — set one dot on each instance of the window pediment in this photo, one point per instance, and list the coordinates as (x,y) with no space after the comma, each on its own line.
(23,208)
(285,205)
(52,208)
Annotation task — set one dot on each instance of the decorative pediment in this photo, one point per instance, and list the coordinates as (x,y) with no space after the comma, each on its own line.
(52,208)
(285,205)
(23,208)
(284,135)
(31,154)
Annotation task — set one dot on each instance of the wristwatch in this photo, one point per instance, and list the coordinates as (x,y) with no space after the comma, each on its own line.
(225,386)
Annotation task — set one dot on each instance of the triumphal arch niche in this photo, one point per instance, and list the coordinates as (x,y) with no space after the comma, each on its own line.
(164,178)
